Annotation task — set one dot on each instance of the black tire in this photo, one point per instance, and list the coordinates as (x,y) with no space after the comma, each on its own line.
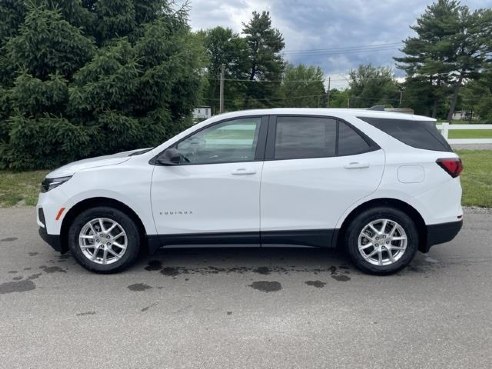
(362,220)
(128,257)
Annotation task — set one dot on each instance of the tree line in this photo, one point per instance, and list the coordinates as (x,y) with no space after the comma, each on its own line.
(81,78)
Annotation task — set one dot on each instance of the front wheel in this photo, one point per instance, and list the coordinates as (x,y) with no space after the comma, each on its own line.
(382,240)
(104,240)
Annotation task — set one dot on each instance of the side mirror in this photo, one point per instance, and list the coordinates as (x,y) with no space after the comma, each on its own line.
(169,157)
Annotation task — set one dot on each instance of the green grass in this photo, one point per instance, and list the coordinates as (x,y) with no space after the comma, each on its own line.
(467,121)
(476,178)
(470,133)
(20,188)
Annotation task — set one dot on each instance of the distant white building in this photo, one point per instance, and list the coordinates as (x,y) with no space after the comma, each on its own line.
(202,112)
(462,115)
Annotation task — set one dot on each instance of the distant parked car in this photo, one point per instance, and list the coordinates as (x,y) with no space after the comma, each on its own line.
(380,185)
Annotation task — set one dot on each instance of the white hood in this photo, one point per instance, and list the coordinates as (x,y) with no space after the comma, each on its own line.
(100,161)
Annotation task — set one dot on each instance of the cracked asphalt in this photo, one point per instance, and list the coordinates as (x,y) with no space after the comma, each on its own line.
(245,308)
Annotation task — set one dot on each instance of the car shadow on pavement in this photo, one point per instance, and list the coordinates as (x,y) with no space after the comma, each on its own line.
(174,262)
(215,260)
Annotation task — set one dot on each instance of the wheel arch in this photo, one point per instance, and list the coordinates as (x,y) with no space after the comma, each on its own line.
(99,201)
(388,202)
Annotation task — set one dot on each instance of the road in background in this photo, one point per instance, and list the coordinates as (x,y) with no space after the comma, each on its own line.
(245,308)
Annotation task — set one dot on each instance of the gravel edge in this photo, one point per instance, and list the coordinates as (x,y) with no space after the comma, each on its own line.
(476,210)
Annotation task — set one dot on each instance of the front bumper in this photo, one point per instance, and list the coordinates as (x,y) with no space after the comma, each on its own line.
(52,240)
(441,233)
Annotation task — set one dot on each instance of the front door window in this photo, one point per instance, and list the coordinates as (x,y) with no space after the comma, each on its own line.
(228,142)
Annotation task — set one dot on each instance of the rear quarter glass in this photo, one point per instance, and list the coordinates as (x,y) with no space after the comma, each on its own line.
(417,134)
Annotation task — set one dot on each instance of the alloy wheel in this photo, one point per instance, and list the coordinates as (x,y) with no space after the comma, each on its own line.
(103,241)
(382,242)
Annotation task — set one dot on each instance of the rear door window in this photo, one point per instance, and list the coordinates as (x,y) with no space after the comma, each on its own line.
(418,134)
(303,137)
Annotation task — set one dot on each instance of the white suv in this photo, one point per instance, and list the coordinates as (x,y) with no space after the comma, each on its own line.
(379,185)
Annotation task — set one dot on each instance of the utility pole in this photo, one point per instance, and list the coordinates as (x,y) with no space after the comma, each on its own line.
(401,97)
(328,93)
(221,104)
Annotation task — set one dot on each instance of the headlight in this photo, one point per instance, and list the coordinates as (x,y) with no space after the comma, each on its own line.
(50,183)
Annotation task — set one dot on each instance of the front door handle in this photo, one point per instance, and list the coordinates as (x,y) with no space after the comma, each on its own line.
(243,172)
(356,165)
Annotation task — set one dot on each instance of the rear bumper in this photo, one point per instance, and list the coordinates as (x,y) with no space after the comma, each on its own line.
(441,233)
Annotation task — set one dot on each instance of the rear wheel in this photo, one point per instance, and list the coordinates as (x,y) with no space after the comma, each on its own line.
(104,240)
(382,240)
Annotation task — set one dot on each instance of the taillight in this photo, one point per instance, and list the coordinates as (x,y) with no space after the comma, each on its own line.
(453,166)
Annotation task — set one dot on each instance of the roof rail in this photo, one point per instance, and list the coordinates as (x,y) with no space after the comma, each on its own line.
(376,108)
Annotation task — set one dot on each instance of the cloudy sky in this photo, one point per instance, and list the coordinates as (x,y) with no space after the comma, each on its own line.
(335,34)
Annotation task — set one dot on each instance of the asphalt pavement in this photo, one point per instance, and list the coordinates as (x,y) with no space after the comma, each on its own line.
(245,308)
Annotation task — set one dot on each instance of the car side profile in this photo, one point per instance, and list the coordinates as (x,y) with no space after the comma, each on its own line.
(379,185)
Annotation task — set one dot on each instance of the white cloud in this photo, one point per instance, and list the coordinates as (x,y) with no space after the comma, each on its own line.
(233,13)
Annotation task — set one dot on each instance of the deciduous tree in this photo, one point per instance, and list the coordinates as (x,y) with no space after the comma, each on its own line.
(303,87)
(224,47)
(371,85)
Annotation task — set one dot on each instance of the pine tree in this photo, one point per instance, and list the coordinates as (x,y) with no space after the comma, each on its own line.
(85,78)
(265,62)
(450,47)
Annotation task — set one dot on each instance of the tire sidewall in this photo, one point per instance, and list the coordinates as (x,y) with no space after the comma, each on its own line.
(370,215)
(124,220)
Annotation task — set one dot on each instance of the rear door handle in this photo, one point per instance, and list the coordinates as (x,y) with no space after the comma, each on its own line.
(243,172)
(356,165)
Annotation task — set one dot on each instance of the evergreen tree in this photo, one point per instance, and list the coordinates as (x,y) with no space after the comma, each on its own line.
(476,96)
(449,48)
(93,77)
(115,18)
(12,13)
(265,62)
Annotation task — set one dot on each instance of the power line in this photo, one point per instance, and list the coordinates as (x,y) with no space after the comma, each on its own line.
(271,99)
(348,47)
(396,98)
(347,79)
(286,81)
(306,96)
(272,81)
(346,50)
(329,53)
